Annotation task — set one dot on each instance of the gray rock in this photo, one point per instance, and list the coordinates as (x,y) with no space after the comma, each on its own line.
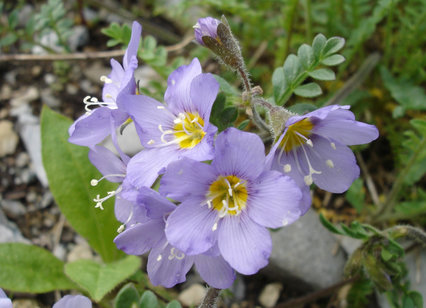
(31,94)
(306,255)
(29,130)
(270,294)
(24,14)
(78,38)
(416,266)
(49,39)
(128,141)
(9,232)
(8,138)
(22,159)
(95,71)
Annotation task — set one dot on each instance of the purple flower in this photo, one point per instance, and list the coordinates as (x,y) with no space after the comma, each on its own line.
(230,202)
(95,125)
(206,27)
(314,148)
(73,301)
(5,302)
(167,265)
(179,128)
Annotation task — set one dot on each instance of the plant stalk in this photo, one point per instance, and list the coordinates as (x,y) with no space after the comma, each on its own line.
(210,300)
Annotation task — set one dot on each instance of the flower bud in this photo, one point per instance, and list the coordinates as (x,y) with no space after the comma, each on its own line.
(206,27)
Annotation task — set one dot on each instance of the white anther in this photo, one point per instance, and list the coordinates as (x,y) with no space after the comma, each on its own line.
(94,182)
(161,107)
(330,163)
(108,95)
(308,179)
(196,26)
(285,222)
(173,82)
(151,142)
(105,79)
(309,142)
(174,254)
(159,258)
(287,168)
(236,185)
(209,204)
(120,229)
(333,145)
(214,228)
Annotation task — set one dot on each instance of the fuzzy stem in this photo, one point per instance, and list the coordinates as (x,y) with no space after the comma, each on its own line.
(411,232)
(210,300)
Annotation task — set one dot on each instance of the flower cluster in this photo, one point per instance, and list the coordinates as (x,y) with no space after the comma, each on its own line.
(227,192)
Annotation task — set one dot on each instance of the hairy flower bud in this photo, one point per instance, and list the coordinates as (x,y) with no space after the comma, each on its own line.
(216,35)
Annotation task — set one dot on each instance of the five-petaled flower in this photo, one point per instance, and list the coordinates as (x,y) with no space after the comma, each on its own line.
(314,148)
(230,202)
(167,265)
(206,27)
(179,128)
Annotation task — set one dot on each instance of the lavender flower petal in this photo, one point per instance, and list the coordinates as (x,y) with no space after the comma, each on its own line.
(107,163)
(73,301)
(203,92)
(206,27)
(244,244)
(215,271)
(156,205)
(274,200)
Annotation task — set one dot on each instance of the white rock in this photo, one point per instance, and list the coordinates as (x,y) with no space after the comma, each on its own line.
(306,255)
(24,98)
(8,138)
(78,38)
(13,208)
(22,160)
(9,232)
(80,251)
(270,294)
(48,98)
(193,295)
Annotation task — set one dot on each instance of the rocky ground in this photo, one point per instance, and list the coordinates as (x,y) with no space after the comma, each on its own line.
(306,257)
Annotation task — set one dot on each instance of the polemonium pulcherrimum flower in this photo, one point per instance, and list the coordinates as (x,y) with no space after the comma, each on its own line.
(179,128)
(314,148)
(5,302)
(73,301)
(230,202)
(167,265)
(206,27)
(96,124)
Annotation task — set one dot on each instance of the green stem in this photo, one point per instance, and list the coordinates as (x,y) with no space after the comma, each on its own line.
(210,300)
(397,186)
(308,20)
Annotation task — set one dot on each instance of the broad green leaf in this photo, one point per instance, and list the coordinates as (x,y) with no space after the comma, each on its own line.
(127,297)
(28,268)
(356,195)
(302,108)
(148,300)
(323,74)
(333,60)
(9,39)
(69,172)
(386,254)
(333,45)
(174,304)
(311,89)
(416,298)
(99,279)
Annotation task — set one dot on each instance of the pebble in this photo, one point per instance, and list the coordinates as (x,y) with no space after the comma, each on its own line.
(193,295)
(60,252)
(9,232)
(270,294)
(71,89)
(5,92)
(31,197)
(95,71)
(31,94)
(45,201)
(13,208)
(80,251)
(49,78)
(22,160)
(48,98)
(78,38)
(25,303)
(8,138)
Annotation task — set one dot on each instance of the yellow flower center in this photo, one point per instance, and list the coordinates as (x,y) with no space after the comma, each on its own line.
(296,135)
(188,129)
(227,195)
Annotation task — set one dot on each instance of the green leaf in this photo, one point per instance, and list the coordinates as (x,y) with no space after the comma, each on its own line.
(416,298)
(243,124)
(292,68)
(323,74)
(356,195)
(28,268)
(69,172)
(174,304)
(386,254)
(9,39)
(99,279)
(333,60)
(333,45)
(148,300)
(306,55)
(13,19)
(329,225)
(127,297)
(278,83)
(311,89)
(318,45)
(302,108)
(226,87)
